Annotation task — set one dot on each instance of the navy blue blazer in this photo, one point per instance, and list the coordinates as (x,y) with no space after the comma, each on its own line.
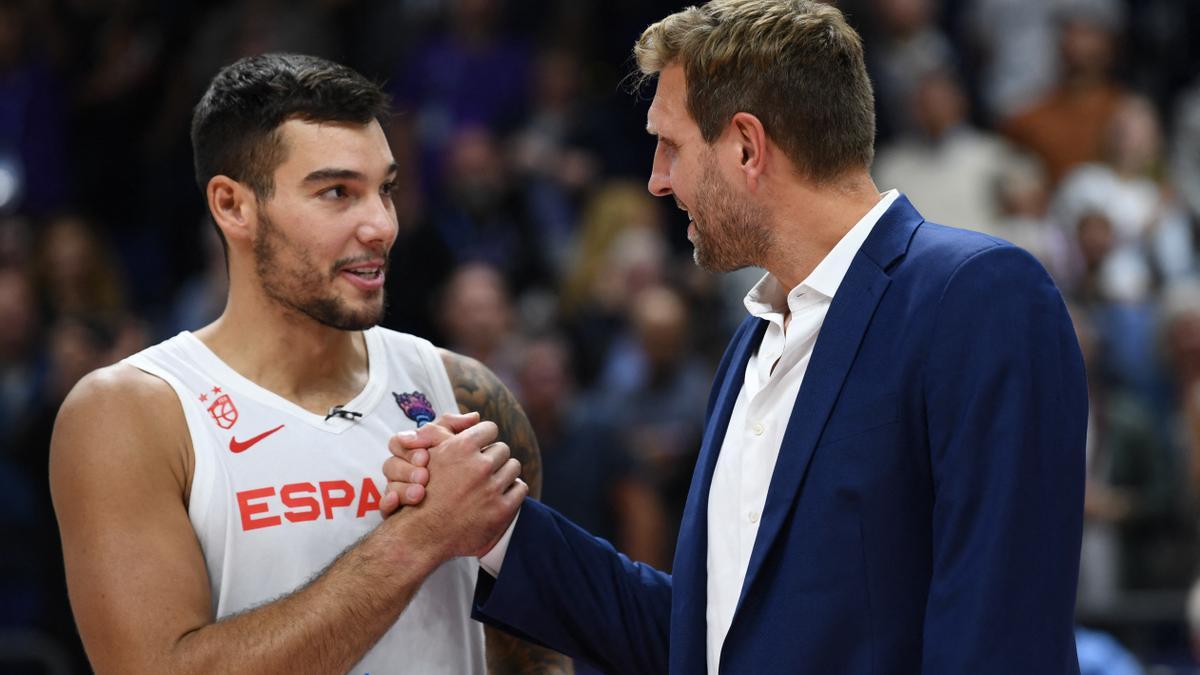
(925,512)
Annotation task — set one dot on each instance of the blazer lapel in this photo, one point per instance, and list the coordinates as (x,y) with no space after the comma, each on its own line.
(837,343)
(689,576)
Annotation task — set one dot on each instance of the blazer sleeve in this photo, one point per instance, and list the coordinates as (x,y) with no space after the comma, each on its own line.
(1006,405)
(567,590)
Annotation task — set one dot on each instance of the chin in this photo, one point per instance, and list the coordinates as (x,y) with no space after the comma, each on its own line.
(346,316)
(365,319)
(353,323)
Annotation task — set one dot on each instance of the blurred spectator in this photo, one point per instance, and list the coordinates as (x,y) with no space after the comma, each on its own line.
(1131,531)
(481,214)
(1067,127)
(1162,55)
(20,572)
(944,164)
(620,250)
(589,476)
(656,389)
(1151,236)
(1185,149)
(19,325)
(549,152)
(614,209)
(74,271)
(1116,296)
(1095,242)
(472,75)
(909,44)
(33,176)
(15,241)
(1181,342)
(202,298)
(251,27)
(1014,42)
(114,57)
(419,267)
(477,320)
(1022,197)
(77,345)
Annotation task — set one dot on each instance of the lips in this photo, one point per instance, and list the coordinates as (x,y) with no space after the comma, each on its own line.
(367,276)
(690,217)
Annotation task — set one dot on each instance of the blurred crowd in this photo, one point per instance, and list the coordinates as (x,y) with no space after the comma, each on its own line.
(528,240)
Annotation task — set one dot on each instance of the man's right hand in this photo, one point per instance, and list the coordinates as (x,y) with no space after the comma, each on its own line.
(471,491)
(407,471)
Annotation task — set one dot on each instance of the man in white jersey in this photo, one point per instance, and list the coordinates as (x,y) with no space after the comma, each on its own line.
(219,494)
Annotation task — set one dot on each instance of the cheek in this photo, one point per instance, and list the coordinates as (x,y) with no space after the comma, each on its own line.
(683,182)
(310,239)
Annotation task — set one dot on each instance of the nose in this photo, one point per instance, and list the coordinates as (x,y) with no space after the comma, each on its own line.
(379,224)
(660,174)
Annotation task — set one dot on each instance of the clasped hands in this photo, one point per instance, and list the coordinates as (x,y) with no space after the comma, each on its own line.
(454,469)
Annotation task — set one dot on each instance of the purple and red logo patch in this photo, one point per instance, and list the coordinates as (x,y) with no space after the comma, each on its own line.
(416,406)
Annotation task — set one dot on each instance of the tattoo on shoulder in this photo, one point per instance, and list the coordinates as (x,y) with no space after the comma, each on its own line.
(476,388)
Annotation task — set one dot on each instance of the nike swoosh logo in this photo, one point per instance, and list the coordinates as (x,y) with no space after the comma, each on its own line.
(236,446)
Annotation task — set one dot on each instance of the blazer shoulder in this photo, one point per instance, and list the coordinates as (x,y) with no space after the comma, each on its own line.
(940,251)
(951,245)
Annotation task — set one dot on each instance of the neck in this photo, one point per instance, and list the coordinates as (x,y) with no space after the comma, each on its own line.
(809,220)
(287,353)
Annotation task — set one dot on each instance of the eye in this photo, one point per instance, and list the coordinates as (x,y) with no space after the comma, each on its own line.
(336,192)
(387,188)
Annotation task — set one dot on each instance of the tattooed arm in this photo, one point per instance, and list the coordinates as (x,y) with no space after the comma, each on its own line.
(510,655)
(476,388)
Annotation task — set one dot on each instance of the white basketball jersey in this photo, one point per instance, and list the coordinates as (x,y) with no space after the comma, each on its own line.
(278,492)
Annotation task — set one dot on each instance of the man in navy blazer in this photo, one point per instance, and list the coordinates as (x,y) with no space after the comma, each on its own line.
(920,505)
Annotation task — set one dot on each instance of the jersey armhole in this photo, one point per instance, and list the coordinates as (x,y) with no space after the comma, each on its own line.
(201,493)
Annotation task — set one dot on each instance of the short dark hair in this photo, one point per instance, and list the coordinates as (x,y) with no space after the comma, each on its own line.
(795,64)
(235,126)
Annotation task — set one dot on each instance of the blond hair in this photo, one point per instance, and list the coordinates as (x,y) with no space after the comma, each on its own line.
(794,64)
(616,208)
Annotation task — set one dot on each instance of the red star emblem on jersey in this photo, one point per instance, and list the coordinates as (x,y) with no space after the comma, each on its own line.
(203,398)
(223,411)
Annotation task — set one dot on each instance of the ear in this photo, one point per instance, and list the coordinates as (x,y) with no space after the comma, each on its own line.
(750,141)
(234,207)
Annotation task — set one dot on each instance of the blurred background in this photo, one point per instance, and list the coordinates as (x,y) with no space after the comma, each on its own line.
(528,241)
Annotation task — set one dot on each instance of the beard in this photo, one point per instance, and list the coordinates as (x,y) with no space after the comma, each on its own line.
(735,232)
(290,278)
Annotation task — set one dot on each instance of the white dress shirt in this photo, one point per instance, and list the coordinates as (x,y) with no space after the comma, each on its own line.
(760,417)
(756,427)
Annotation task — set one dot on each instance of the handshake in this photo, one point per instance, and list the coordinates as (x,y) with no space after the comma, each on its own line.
(456,479)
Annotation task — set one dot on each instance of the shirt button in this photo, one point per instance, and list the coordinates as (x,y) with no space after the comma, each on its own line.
(757,429)
(754,516)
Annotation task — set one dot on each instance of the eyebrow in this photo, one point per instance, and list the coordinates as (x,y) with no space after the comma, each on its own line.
(334,173)
(658,133)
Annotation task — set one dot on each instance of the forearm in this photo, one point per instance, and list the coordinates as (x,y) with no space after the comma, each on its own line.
(325,626)
(574,592)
